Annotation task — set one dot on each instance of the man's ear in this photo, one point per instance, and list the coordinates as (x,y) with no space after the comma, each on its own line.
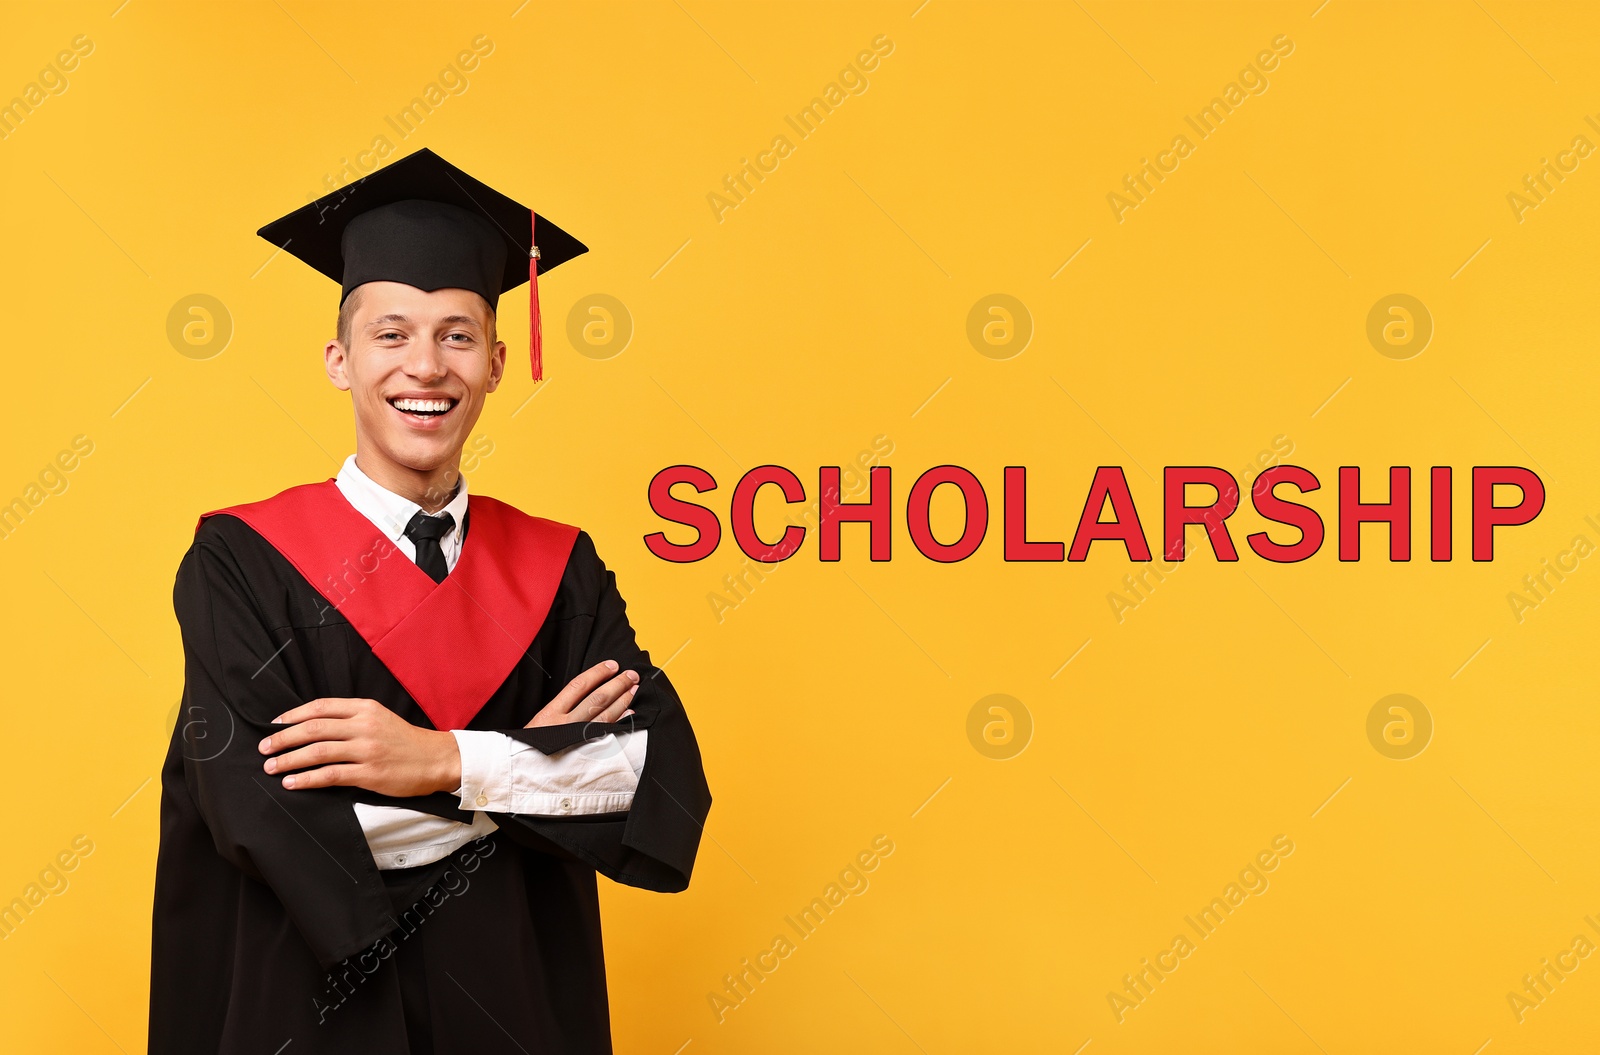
(333,357)
(497,365)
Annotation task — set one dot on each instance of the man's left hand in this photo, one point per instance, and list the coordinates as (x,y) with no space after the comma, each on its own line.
(361,743)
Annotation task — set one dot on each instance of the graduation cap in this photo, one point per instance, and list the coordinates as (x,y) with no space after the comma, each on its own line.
(426,223)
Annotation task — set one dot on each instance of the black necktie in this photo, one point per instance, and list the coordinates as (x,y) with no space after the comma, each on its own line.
(425,531)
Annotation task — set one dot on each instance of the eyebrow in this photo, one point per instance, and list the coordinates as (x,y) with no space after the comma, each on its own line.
(384,320)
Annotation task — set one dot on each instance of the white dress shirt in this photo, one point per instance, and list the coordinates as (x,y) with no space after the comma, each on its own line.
(498,774)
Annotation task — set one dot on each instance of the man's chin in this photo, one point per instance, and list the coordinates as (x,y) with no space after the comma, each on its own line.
(423,454)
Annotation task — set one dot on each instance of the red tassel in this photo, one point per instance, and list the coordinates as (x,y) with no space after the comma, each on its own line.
(535,341)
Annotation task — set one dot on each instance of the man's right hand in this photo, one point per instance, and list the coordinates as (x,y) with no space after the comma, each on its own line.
(599,694)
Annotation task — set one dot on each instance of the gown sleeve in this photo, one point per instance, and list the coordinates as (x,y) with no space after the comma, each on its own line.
(653,845)
(307,846)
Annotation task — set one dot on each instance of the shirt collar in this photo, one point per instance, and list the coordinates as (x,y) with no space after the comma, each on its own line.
(390,512)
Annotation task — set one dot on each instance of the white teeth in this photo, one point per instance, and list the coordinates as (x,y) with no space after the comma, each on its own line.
(423,405)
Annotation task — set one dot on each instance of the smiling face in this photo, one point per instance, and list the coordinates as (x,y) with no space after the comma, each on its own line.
(418,367)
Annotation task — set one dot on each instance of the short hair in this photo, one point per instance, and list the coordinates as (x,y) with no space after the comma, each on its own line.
(347,313)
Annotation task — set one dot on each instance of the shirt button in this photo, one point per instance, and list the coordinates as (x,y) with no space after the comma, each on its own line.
(400,859)
(483,800)
(566,804)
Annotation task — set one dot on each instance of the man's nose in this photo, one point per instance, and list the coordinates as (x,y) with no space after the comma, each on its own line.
(426,362)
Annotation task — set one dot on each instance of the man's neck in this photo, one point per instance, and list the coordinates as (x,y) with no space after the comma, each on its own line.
(431,489)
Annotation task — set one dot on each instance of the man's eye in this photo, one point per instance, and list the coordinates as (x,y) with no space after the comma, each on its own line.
(389,335)
(466,337)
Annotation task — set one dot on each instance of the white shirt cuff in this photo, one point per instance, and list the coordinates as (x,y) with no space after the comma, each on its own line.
(503,775)
(402,838)
(485,768)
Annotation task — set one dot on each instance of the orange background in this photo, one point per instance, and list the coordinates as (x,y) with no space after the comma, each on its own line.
(1225,315)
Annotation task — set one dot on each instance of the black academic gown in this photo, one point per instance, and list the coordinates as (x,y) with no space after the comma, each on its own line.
(273,925)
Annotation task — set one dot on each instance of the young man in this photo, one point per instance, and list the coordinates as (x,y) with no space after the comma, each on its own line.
(415,722)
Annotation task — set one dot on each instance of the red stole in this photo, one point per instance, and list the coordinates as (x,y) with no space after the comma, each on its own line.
(449,644)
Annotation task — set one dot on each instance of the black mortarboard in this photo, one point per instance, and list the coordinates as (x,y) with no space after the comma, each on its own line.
(426,223)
